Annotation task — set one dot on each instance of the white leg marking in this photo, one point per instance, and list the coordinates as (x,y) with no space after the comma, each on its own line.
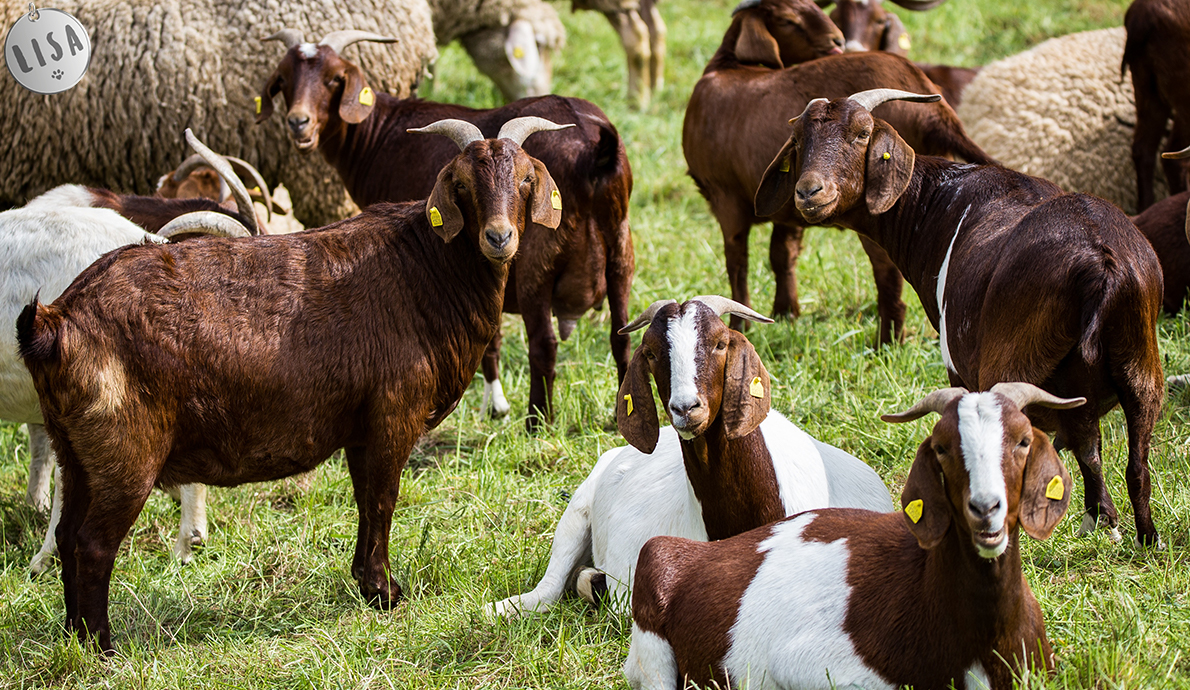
(981,430)
(41,561)
(651,664)
(494,401)
(1089,524)
(977,678)
(193,530)
(940,293)
(41,464)
(683,370)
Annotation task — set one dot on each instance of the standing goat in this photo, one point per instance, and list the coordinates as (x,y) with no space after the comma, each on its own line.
(727,465)
(1023,281)
(567,271)
(931,597)
(228,361)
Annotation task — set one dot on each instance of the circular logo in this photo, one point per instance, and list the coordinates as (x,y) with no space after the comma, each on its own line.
(47,51)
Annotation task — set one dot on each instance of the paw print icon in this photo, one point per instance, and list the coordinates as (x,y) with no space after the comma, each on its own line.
(57,74)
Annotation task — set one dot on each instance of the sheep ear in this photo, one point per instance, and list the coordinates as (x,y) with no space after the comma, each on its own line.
(746,389)
(264,102)
(778,182)
(895,38)
(924,503)
(442,209)
(358,98)
(890,165)
(546,204)
(636,413)
(756,44)
(1045,489)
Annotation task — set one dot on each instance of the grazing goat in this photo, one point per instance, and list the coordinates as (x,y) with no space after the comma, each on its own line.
(1023,281)
(568,271)
(734,122)
(928,597)
(727,465)
(228,361)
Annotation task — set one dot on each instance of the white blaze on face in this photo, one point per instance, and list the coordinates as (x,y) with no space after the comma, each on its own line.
(307,50)
(981,430)
(683,370)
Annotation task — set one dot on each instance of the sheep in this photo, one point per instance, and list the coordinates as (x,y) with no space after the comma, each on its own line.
(734,122)
(227,361)
(728,464)
(158,67)
(1157,52)
(567,271)
(929,597)
(1022,281)
(642,34)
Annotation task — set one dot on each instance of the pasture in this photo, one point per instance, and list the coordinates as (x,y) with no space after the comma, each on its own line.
(269,601)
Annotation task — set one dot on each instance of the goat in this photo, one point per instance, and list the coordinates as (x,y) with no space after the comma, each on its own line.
(733,124)
(227,361)
(1157,51)
(927,597)
(1023,281)
(728,464)
(363,135)
(1164,225)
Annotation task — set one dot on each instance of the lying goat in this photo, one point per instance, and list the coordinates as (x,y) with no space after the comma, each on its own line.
(1023,281)
(727,464)
(228,361)
(926,597)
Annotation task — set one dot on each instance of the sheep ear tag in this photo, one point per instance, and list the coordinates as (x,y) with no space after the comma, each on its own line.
(47,51)
(435,217)
(1055,489)
(913,510)
(756,388)
(366,96)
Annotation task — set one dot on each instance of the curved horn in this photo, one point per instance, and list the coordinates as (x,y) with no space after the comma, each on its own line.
(243,201)
(919,5)
(242,167)
(339,40)
(806,109)
(290,37)
(872,98)
(519,128)
(1023,394)
(933,402)
(1177,155)
(721,305)
(646,317)
(188,166)
(460,132)
(206,223)
(745,5)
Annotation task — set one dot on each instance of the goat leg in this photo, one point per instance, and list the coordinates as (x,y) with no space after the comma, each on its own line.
(657,34)
(41,463)
(543,356)
(1096,499)
(634,37)
(1151,117)
(889,282)
(1140,414)
(383,460)
(784,249)
(735,227)
(494,402)
(621,264)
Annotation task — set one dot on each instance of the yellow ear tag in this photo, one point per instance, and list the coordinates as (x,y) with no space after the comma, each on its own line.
(903,41)
(257,99)
(518,52)
(913,510)
(887,155)
(556,200)
(435,217)
(756,388)
(1055,489)
(366,97)
(784,165)
(628,402)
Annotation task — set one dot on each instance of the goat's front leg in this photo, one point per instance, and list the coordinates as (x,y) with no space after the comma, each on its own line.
(379,485)
(657,35)
(621,265)
(543,350)
(494,402)
(889,283)
(784,249)
(41,468)
(1085,443)
(634,37)
(735,225)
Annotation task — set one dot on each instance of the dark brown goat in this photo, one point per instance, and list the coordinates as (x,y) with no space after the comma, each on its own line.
(737,118)
(566,271)
(1023,281)
(1157,51)
(1164,225)
(237,361)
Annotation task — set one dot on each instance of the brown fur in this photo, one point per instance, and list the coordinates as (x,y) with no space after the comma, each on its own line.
(1164,225)
(153,213)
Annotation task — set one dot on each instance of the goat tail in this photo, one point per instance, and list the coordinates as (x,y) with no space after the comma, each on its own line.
(1105,290)
(38,328)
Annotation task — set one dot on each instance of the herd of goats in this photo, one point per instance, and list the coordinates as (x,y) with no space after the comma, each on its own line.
(747,552)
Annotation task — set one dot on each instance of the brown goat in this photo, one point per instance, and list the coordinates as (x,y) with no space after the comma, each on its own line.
(227,361)
(736,119)
(1164,225)
(566,271)
(1023,281)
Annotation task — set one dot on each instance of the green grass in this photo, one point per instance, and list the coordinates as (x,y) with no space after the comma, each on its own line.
(269,602)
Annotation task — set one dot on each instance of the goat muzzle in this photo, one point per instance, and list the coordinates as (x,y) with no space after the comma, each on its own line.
(304,136)
(499,242)
(815,197)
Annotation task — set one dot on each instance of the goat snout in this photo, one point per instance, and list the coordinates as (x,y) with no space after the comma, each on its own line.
(300,131)
(986,517)
(816,196)
(689,416)
(499,241)
(854,46)
(840,45)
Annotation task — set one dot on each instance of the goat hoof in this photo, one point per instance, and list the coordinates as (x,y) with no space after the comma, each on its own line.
(40,564)
(494,401)
(1149,541)
(592,586)
(1177,383)
(384,601)
(1087,526)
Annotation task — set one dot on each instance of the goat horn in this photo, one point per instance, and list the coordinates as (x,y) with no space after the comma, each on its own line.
(933,402)
(721,305)
(290,37)
(646,317)
(806,109)
(747,5)
(919,5)
(221,166)
(1176,155)
(188,166)
(460,132)
(872,98)
(245,168)
(1027,394)
(519,128)
(339,40)
(204,223)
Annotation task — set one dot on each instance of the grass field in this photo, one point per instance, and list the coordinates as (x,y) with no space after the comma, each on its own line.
(269,601)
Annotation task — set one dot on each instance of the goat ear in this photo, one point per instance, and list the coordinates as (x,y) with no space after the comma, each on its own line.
(264,102)
(778,182)
(924,502)
(358,98)
(756,44)
(890,166)
(1045,489)
(636,413)
(546,204)
(894,39)
(746,389)
(442,209)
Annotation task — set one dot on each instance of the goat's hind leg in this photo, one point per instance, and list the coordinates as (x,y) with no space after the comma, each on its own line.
(1085,441)
(784,248)
(41,561)
(41,468)
(1142,406)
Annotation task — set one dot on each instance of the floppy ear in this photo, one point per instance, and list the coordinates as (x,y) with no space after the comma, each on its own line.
(778,182)
(358,98)
(264,106)
(925,497)
(895,39)
(890,165)
(442,209)
(546,203)
(1045,477)
(746,389)
(756,44)
(636,413)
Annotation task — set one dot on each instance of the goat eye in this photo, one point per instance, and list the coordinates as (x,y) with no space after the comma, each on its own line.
(722,345)
(1024,443)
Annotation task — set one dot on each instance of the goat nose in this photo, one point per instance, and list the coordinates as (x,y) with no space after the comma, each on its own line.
(498,237)
(682,409)
(297,122)
(982,511)
(808,190)
(839,41)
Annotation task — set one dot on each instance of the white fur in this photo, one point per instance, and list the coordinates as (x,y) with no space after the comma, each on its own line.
(651,664)
(493,398)
(307,50)
(683,370)
(981,428)
(977,678)
(940,293)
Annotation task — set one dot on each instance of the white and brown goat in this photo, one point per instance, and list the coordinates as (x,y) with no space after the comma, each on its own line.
(727,465)
(927,597)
